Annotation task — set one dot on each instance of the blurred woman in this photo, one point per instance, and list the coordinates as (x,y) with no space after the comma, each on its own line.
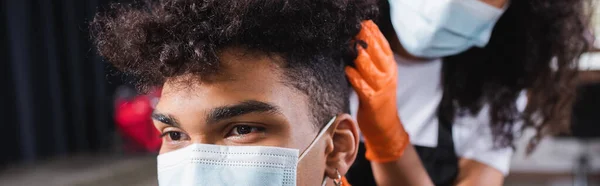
(473,74)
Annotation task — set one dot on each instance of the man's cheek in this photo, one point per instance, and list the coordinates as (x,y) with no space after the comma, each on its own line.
(311,169)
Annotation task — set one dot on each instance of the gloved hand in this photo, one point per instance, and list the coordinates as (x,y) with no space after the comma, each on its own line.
(374,80)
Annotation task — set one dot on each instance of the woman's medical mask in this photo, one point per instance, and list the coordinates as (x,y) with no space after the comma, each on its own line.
(439,28)
(217,165)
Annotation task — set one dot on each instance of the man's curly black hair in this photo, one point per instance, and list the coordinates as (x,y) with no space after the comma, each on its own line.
(157,40)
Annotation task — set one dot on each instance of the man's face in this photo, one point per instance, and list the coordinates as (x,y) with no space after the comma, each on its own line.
(246,104)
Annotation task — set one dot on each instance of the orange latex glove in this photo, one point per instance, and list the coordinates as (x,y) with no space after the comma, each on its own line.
(374,80)
(345,182)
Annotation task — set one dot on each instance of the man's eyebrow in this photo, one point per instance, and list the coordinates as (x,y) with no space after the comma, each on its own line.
(166,119)
(245,107)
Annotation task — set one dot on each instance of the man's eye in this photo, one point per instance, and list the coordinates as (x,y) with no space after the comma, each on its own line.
(241,130)
(174,136)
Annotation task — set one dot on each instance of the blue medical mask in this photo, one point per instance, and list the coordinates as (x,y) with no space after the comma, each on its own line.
(217,165)
(439,28)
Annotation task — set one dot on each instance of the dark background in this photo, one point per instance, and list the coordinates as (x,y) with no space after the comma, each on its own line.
(56,96)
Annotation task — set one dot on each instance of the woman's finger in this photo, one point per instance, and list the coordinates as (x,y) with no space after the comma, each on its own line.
(362,88)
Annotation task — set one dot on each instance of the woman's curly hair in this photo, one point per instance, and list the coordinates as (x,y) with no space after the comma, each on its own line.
(157,40)
(535,46)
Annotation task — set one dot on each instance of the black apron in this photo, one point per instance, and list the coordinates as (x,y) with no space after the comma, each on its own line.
(440,162)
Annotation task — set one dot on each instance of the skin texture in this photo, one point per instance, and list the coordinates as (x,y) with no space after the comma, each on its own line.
(245,78)
(588,77)
(474,173)
(407,170)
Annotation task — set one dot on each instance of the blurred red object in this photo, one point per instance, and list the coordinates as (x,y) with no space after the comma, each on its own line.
(133,118)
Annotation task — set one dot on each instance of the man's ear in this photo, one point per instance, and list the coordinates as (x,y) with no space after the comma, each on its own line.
(343,147)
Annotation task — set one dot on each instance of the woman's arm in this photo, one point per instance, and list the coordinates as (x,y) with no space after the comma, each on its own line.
(407,170)
(474,173)
(393,159)
(588,77)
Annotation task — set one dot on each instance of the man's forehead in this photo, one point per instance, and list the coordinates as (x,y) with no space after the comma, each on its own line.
(241,77)
(238,68)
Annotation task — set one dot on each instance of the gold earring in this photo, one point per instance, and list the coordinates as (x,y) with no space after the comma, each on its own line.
(338,180)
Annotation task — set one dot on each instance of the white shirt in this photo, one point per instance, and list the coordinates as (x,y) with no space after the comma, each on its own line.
(418,96)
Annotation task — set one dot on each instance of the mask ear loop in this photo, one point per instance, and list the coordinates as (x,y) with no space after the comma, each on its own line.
(321,133)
